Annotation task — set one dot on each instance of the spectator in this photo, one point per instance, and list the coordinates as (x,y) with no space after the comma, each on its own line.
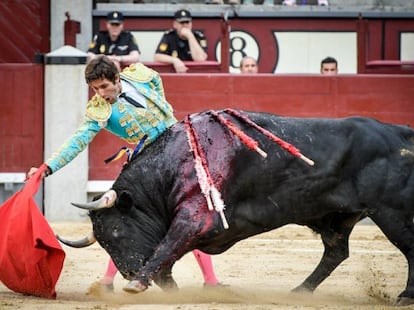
(248,65)
(181,43)
(120,45)
(329,66)
(293,2)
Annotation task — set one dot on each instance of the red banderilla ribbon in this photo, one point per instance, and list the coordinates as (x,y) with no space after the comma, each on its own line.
(283,144)
(248,141)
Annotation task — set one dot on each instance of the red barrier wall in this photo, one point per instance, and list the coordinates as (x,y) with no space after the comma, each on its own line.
(387,98)
(25,30)
(21,117)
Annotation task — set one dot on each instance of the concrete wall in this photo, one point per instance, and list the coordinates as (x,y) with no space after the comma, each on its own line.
(79,10)
(65,96)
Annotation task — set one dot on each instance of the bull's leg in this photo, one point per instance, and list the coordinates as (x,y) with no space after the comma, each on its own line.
(335,232)
(167,254)
(180,238)
(165,280)
(399,229)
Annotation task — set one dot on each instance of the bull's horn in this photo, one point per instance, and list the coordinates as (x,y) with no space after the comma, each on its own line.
(86,241)
(106,201)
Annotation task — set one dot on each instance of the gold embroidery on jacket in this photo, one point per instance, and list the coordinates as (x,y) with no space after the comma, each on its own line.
(138,72)
(122,121)
(98,109)
(130,131)
(121,107)
(128,118)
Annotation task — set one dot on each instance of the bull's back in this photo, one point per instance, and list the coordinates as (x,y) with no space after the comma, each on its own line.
(355,159)
(348,153)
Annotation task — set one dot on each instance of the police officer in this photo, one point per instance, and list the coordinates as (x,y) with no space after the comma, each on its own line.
(181,43)
(120,45)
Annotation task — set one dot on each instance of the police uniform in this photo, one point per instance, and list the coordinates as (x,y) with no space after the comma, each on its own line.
(171,44)
(124,44)
(121,118)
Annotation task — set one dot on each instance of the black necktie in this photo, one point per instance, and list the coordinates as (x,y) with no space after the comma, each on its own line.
(130,100)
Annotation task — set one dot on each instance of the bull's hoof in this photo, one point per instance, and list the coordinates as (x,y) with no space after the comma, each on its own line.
(301,289)
(215,285)
(170,288)
(404,301)
(98,289)
(135,287)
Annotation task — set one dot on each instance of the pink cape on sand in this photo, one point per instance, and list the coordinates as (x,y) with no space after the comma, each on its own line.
(31,258)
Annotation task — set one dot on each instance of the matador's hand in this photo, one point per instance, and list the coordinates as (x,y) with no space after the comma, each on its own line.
(33,170)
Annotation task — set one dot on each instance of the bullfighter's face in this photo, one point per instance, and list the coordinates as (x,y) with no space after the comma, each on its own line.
(107,89)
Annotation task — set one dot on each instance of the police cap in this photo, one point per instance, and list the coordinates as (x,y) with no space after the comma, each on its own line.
(182,16)
(115,17)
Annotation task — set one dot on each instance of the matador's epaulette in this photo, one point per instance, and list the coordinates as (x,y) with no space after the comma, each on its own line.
(139,73)
(98,109)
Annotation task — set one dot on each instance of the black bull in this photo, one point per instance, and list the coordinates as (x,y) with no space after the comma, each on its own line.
(363,168)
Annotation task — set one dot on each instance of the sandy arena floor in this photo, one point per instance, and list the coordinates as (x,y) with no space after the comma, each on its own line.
(260,273)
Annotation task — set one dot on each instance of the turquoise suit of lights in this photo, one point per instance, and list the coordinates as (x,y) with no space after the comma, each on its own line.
(123,120)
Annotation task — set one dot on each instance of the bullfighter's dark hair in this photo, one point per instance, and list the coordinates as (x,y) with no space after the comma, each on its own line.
(101,67)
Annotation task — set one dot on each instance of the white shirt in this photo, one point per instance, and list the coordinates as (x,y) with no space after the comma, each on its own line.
(131,92)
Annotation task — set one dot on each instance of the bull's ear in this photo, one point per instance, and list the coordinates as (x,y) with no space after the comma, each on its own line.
(124,201)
